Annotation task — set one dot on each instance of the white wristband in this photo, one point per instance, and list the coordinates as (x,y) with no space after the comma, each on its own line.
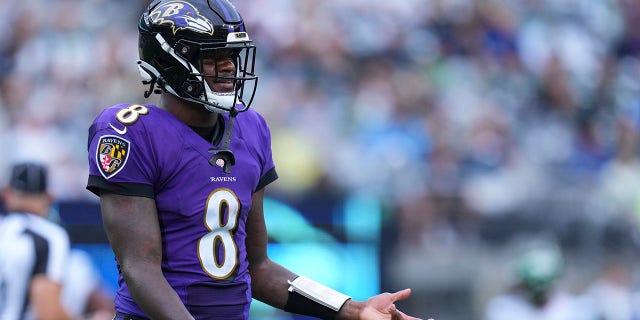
(319,293)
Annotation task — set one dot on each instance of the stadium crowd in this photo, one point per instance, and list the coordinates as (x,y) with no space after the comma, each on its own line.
(468,119)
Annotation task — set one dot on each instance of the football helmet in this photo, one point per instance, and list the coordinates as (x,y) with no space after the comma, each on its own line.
(539,268)
(176,36)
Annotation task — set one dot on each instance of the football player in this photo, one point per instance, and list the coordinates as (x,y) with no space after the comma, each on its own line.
(181,184)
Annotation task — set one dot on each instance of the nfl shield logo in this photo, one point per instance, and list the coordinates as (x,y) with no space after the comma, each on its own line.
(111,155)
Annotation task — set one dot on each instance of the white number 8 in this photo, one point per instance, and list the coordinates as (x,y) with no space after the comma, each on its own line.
(131,113)
(220,232)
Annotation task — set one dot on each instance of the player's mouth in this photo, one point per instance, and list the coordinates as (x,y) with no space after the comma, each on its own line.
(223,86)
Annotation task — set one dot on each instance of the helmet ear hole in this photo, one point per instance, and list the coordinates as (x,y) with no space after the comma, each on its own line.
(193,87)
(187,51)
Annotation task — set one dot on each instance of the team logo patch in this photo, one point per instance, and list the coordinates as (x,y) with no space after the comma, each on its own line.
(181,15)
(112,155)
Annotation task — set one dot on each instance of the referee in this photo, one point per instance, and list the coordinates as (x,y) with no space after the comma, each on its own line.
(33,250)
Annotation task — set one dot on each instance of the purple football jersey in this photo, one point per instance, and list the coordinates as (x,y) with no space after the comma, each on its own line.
(202,210)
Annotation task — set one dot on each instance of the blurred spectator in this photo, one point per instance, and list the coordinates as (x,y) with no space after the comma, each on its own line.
(612,294)
(534,294)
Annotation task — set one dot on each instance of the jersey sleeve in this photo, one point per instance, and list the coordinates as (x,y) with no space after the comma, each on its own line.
(120,152)
(268,174)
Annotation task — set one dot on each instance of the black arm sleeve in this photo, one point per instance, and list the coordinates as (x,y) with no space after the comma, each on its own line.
(267,178)
(97,183)
(297,303)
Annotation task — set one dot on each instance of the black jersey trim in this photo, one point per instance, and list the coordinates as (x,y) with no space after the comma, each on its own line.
(98,183)
(41,246)
(267,178)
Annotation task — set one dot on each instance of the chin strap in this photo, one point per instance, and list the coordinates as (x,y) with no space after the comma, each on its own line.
(223,157)
(152,87)
(150,76)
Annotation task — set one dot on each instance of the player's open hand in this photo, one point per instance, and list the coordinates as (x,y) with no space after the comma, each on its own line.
(383,306)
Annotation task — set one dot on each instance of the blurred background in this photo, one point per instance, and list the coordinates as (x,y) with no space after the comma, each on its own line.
(419,143)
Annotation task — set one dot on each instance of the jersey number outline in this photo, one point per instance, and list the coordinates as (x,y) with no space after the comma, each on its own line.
(220,233)
(130,114)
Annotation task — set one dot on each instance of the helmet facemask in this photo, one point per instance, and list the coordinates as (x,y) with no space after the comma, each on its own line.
(189,80)
(227,76)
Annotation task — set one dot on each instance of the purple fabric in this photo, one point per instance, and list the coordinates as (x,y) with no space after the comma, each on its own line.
(171,157)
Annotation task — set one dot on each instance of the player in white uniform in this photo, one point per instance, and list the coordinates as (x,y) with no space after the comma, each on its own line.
(34,250)
(534,295)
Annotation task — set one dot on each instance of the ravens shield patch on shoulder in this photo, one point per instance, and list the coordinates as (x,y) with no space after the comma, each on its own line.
(112,155)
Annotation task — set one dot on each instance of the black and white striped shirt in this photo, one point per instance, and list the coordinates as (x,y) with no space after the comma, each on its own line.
(29,245)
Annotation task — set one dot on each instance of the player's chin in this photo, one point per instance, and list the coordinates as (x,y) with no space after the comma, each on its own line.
(222,87)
